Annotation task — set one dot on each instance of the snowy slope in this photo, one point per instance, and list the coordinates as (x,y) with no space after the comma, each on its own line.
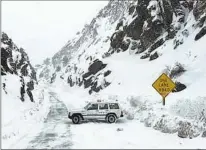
(24,102)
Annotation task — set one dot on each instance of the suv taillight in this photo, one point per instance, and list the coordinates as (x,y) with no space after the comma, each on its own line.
(121,114)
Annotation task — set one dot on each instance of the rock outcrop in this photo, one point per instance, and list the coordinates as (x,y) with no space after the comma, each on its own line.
(15,61)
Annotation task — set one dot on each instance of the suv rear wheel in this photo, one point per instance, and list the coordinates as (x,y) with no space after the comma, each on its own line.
(76,119)
(111,118)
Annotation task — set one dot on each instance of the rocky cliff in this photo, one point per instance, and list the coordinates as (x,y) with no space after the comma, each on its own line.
(15,61)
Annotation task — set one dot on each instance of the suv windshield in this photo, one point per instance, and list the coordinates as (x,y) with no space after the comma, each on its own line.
(87,105)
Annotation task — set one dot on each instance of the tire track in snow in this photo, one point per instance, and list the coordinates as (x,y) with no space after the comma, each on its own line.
(56,131)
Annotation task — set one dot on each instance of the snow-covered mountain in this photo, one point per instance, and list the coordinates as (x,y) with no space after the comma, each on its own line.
(118,56)
(137,27)
(124,50)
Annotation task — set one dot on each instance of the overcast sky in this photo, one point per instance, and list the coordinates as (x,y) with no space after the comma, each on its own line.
(43,27)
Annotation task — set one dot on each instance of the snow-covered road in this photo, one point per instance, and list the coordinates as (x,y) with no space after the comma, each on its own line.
(58,132)
(55,133)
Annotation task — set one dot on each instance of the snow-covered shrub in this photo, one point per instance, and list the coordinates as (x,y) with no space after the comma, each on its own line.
(178,41)
(134,101)
(185,33)
(136,106)
(190,108)
(184,119)
(130,115)
(105,55)
(148,121)
(165,124)
(187,130)
(167,70)
(177,70)
(137,103)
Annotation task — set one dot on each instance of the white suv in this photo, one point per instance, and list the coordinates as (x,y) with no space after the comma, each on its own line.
(109,111)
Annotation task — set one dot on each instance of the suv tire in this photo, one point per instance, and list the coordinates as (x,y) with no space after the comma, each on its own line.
(111,118)
(76,119)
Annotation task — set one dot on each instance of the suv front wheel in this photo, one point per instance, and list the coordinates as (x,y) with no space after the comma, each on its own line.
(76,119)
(111,118)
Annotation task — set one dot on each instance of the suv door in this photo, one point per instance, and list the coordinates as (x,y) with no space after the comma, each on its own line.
(92,111)
(103,110)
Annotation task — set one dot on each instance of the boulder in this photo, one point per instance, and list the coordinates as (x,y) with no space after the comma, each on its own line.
(134,45)
(96,66)
(201,34)
(117,38)
(87,74)
(88,82)
(154,56)
(179,87)
(30,85)
(125,45)
(119,129)
(108,72)
(146,55)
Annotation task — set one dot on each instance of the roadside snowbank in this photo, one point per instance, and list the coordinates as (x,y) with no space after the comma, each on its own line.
(133,136)
(21,119)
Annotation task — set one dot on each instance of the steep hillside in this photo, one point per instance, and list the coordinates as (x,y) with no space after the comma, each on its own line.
(139,28)
(124,50)
(24,102)
(15,61)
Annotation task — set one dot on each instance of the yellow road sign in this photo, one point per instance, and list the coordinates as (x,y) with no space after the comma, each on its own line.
(163,85)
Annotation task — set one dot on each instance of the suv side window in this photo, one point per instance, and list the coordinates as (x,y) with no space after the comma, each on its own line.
(93,107)
(113,106)
(103,106)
